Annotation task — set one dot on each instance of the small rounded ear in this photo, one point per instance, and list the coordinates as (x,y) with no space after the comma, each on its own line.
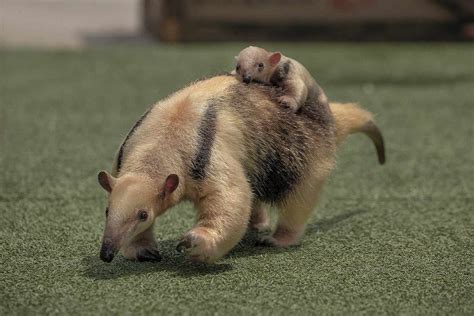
(275,58)
(106,181)
(236,57)
(171,183)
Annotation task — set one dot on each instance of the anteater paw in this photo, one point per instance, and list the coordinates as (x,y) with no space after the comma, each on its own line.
(197,245)
(271,241)
(267,241)
(288,102)
(148,254)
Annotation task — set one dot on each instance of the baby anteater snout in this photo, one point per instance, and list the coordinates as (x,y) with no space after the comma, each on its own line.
(247,78)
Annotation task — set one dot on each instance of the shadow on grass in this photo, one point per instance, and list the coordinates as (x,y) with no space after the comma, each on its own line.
(171,262)
(95,269)
(327,224)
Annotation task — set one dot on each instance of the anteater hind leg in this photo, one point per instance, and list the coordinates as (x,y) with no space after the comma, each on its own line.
(294,214)
(222,219)
(259,220)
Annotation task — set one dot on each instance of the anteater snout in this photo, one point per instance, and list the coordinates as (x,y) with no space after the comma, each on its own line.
(107,251)
(247,78)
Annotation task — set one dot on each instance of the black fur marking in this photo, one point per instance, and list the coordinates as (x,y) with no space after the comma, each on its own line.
(130,133)
(278,142)
(281,73)
(207,133)
(274,179)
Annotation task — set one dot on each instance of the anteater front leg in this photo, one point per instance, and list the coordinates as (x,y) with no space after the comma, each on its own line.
(295,95)
(143,247)
(222,219)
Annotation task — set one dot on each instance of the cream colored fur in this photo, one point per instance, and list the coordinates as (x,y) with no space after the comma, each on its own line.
(224,204)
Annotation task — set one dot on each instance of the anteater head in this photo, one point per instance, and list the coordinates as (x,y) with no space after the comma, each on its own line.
(134,203)
(256,64)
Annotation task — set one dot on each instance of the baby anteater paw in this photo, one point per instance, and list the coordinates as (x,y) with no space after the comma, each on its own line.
(288,102)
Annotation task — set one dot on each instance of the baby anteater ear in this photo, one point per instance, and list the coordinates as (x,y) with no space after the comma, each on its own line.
(106,181)
(275,58)
(171,183)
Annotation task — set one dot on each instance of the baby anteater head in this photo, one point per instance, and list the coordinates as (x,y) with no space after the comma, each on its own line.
(134,203)
(256,64)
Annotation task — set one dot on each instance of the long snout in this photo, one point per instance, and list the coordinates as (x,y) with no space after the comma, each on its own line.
(113,238)
(246,78)
(108,250)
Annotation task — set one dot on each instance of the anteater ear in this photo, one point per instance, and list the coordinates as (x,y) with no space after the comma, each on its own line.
(171,183)
(236,57)
(275,58)
(106,181)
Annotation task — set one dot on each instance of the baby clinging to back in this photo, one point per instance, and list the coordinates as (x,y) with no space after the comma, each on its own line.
(258,65)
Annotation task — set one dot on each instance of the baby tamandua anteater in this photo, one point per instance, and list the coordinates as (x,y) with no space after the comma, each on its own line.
(258,65)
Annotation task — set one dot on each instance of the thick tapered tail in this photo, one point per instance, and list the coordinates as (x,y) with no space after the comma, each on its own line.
(350,119)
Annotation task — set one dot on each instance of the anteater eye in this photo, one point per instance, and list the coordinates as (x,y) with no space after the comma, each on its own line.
(106,212)
(260,66)
(142,215)
(237,67)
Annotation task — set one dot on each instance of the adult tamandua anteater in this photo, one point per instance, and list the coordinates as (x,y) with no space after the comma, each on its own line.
(230,149)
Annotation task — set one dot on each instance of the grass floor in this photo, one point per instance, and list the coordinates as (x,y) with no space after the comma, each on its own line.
(392,239)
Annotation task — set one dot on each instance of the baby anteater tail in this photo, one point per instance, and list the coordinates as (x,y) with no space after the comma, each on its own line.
(351,119)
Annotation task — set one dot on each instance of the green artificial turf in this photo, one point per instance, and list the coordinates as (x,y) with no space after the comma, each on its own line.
(384,239)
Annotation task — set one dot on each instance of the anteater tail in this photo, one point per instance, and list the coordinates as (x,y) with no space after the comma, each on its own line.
(350,119)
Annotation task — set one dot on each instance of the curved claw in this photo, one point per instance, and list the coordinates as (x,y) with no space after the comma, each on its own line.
(183,245)
(264,242)
(148,255)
